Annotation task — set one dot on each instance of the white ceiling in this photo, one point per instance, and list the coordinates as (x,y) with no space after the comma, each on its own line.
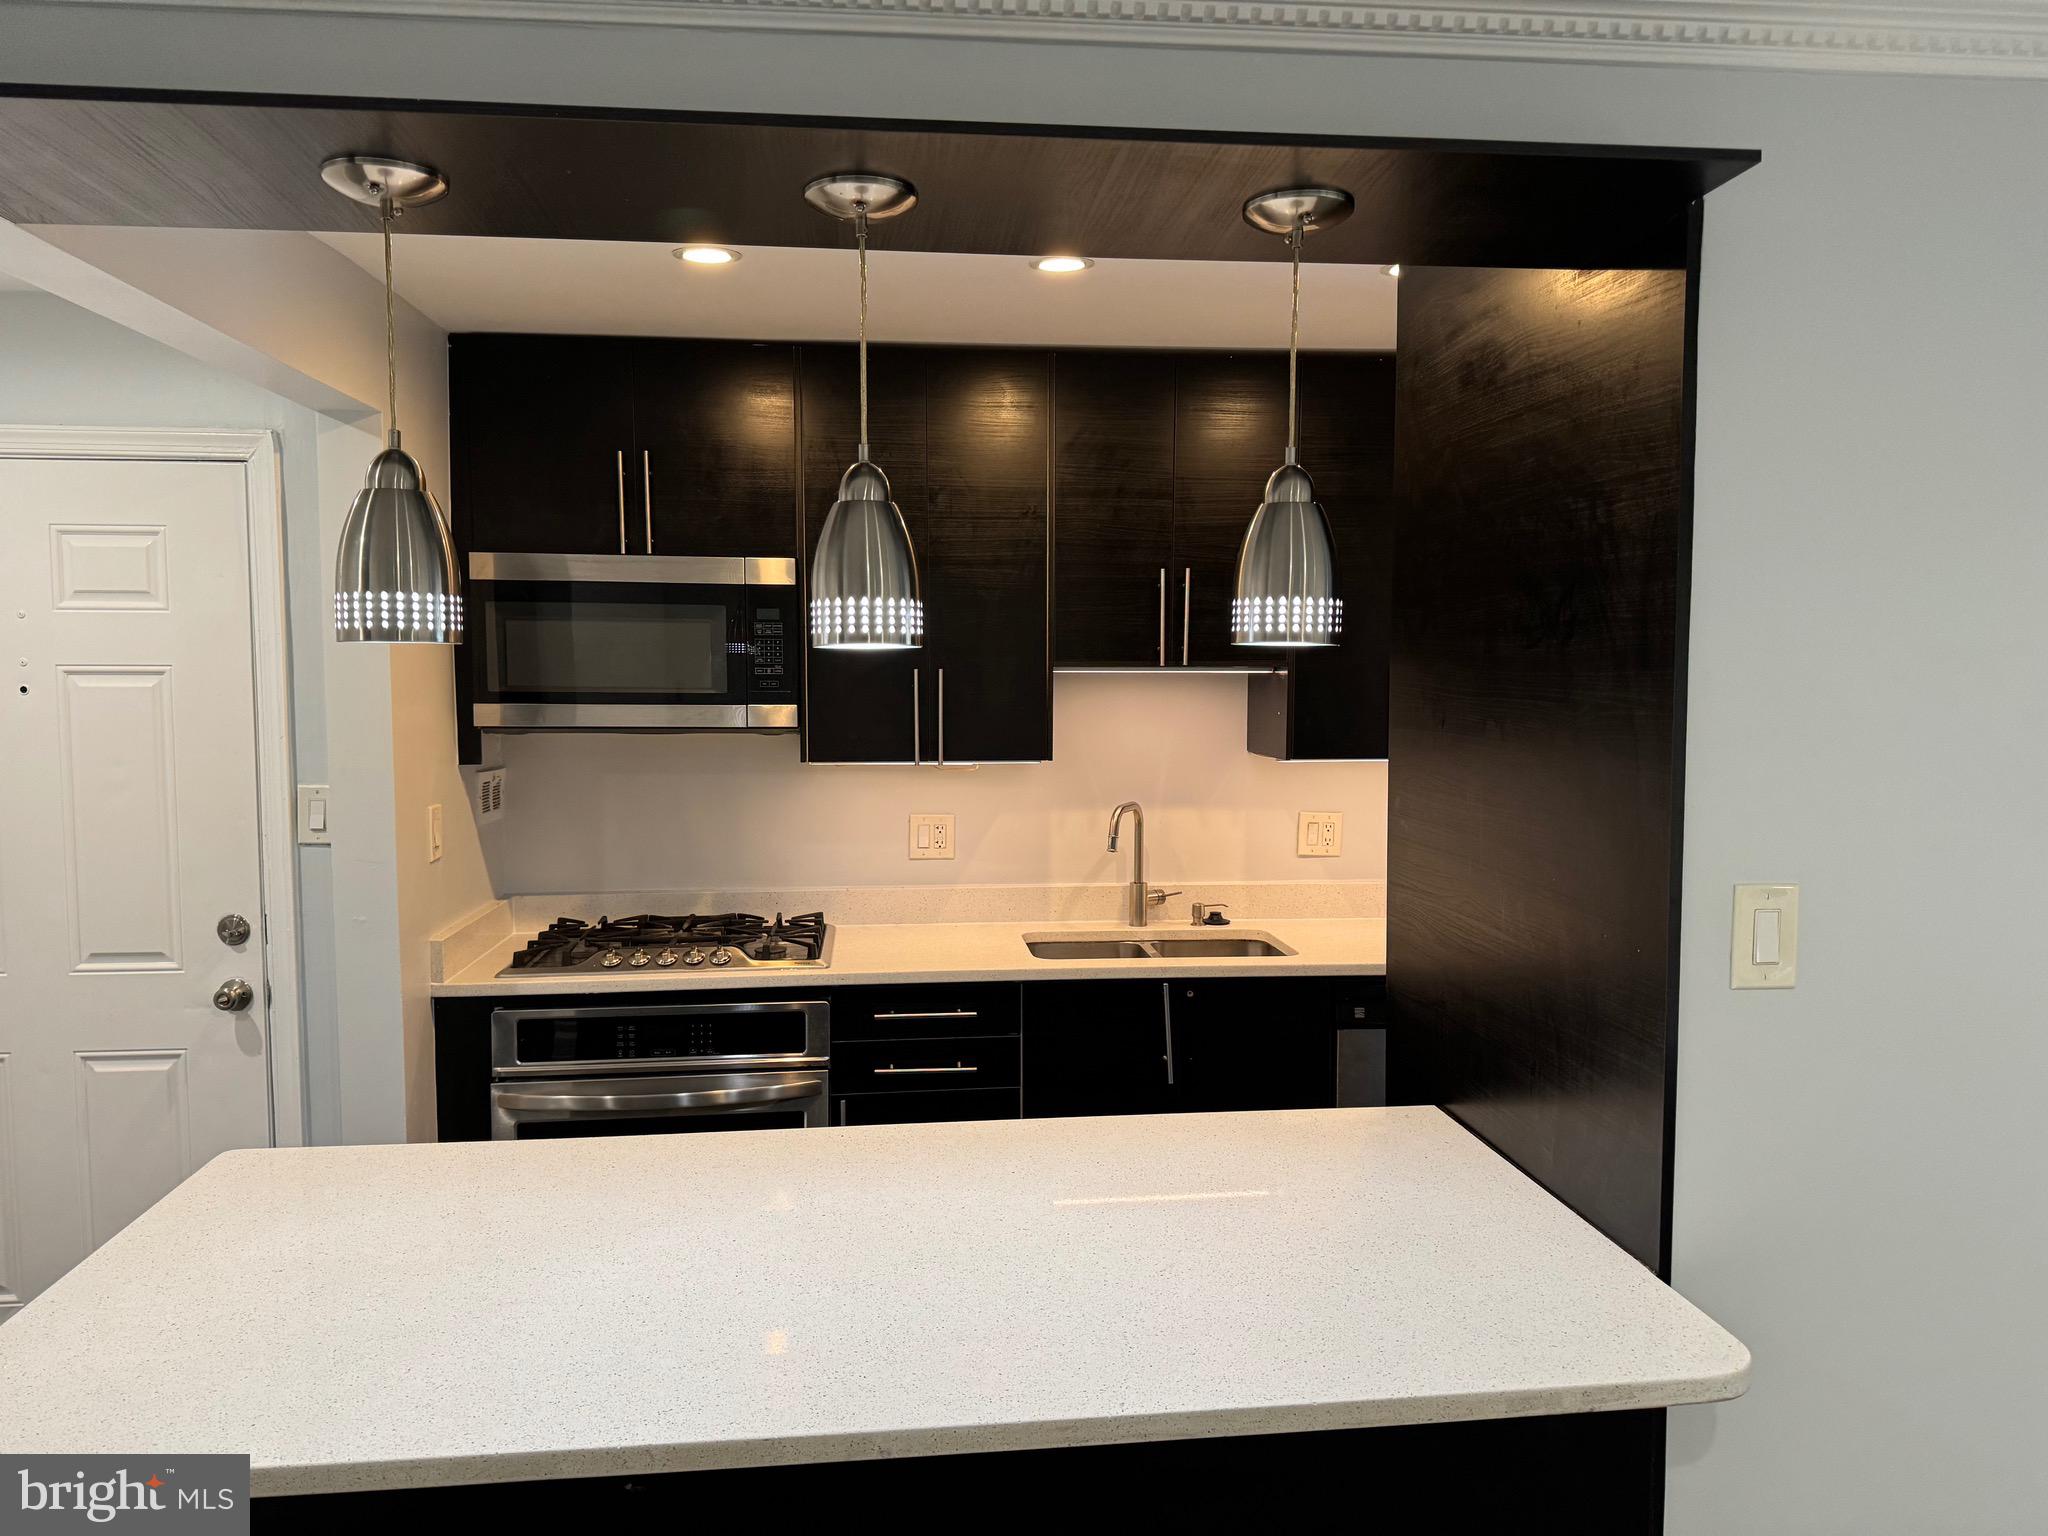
(779,293)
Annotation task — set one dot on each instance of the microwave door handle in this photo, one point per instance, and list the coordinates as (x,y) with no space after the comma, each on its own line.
(647,493)
(622,501)
(587,1102)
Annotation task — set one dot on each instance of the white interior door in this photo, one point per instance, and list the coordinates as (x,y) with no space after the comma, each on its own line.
(128,832)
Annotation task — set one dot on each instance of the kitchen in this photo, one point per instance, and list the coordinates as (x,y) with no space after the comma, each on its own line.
(635,540)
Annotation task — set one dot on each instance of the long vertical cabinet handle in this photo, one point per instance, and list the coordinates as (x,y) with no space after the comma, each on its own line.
(647,497)
(1162,615)
(1166,1008)
(942,717)
(622,501)
(916,708)
(1187,606)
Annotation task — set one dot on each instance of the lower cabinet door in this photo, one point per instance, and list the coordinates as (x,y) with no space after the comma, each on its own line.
(1097,1048)
(1254,1045)
(919,1108)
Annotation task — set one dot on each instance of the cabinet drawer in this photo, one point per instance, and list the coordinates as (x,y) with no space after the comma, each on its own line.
(924,1012)
(898,1066)
(926,1108)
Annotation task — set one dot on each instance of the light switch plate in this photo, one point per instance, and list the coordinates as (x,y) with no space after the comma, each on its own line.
(931,835)
(1319,834)
(433,834)
(316,815)
(1764,915)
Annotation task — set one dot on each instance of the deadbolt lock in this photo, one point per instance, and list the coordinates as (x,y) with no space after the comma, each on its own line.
(233,929)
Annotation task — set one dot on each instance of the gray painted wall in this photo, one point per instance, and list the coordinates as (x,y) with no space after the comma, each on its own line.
(1856,1158)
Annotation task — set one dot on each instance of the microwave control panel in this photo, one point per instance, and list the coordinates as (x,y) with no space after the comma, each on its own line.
(771,650)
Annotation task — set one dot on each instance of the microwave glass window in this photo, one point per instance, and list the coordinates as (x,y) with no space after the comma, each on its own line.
(655,649)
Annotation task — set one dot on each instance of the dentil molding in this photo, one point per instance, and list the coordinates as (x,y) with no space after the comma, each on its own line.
(2011,40)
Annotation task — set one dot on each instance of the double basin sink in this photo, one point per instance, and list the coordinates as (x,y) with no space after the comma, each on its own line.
(1247,946)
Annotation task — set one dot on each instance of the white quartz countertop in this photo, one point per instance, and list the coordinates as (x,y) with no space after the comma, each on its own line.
(400,1316)
(873,953)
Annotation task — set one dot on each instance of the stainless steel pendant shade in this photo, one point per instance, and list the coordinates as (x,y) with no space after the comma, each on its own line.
(1287,569)
(395,574)
(1287,566)
(864,591)
(864,588)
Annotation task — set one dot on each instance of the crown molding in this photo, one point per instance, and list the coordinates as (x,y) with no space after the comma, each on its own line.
(2008,41)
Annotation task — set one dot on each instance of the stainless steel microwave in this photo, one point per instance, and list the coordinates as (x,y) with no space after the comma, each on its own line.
(633,643)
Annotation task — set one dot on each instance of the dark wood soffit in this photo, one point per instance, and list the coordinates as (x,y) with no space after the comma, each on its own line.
(252,163)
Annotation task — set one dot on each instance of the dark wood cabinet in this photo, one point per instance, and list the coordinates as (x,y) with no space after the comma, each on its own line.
(1096,1048)
(1173,1046)
(1113,507)
(714,432)
(1332,703)
(962,434)
(541,429)
(937,1051)
(1230,434)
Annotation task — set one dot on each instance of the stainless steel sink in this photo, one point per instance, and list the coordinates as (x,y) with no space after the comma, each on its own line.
(1161,948)
(1168,949)
(1088,949)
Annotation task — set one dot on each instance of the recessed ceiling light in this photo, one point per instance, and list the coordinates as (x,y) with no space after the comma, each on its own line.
(706,255)
(1063,263)
(1393,271)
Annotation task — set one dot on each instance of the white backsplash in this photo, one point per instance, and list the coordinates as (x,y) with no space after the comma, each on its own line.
(730,815)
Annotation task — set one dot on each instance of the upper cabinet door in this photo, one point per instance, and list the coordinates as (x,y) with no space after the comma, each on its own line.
(714,468)
(542,431)
(1230,433)
(1113,508)
(866,706)
(983,551)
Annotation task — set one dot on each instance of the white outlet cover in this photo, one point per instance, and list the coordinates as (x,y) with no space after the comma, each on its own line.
(931,835)
(1319,834)
(1764,912)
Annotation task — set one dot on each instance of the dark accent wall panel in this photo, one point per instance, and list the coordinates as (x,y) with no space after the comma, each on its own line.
(1541,535)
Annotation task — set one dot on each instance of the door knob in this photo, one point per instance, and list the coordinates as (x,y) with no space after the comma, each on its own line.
(234,996)
(233,929)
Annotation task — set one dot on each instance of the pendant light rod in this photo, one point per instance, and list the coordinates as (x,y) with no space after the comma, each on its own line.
(1294,238)
(390,330)
(860,238)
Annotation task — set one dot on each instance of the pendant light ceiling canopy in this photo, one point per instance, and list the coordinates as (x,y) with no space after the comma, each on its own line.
(395,577)
(864,587)
(1287,567)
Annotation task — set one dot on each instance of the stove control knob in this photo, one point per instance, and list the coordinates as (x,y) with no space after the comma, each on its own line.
(612,960)
(641,960)
(666,957)
(721,957)
(693,957)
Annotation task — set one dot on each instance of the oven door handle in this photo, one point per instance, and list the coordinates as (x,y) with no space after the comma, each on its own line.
(639,1103)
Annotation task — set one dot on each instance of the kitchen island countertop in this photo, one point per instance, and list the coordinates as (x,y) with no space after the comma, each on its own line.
(406,1316)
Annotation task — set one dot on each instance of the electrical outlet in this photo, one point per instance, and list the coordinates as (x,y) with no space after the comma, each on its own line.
(488,790)
(1319,834)
(931,835)
(433,834)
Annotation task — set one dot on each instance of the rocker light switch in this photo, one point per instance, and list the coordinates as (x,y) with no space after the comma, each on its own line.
(1765,947)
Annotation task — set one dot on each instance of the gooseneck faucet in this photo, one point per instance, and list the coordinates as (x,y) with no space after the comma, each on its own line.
(1143,897)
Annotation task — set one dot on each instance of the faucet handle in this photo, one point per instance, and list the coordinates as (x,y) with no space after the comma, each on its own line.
(1157,898)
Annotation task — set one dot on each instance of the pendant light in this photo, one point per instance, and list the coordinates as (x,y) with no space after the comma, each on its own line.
(864,591)
(395,577)
(1287,568)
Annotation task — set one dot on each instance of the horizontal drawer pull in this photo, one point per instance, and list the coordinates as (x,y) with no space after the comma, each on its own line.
(943,1013)
(906,1071)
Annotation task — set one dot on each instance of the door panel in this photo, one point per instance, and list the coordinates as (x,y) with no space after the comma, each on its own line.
(542,428)
(128,798)
(1230,433)
(714,425)
(1113,505)
(1096,1048)
(983,547)
(1253,1045)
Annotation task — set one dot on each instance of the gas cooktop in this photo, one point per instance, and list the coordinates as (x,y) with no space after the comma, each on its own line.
(727,941)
